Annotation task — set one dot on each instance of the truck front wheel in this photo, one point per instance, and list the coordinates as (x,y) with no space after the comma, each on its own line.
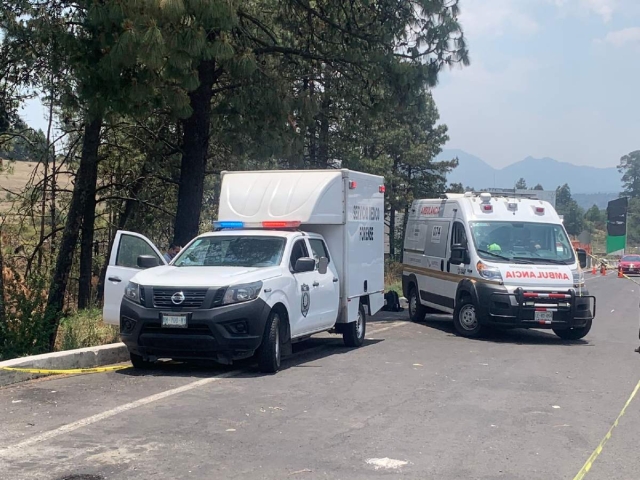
(139,362)
(354,332)
(270,350)
(465,318)
(573,333)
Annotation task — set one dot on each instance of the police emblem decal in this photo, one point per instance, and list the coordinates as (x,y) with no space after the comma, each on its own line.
(306,300)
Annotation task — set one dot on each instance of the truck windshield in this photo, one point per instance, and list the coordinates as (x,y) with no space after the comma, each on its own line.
(232,251)
(522,241)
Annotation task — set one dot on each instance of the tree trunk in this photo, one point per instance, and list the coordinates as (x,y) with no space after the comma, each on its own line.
(3,317)
(45,182)
(325,113)
(392,234)
(88,229)
(86,171)
(195,145)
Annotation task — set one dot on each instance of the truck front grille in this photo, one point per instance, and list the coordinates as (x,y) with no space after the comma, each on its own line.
(193,298)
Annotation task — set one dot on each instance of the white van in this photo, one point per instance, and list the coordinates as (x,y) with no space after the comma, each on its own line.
(498,261)
(294,253)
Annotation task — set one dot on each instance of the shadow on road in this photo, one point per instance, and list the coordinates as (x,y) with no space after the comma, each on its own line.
(518,336)
(303,354)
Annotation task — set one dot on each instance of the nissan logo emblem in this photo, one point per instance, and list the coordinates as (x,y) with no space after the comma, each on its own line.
(177,298)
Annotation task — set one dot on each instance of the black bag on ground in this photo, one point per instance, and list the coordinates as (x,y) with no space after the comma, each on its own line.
(392,302)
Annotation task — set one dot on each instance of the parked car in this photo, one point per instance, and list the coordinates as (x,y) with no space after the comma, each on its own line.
(630,264)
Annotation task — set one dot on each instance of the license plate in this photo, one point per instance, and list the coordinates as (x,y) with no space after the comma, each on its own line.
(543,316)
(174,321)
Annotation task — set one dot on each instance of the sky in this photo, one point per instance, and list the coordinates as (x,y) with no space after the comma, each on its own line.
(548,78)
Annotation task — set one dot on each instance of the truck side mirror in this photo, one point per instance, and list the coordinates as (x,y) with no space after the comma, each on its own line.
(582,257)
(147,261)
(459,255)
(323,264)
(305,264)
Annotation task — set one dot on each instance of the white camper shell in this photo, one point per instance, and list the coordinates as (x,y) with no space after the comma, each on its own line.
(294,253)
(500,261)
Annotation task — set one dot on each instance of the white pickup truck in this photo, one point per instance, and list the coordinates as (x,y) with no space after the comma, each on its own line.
(294,253)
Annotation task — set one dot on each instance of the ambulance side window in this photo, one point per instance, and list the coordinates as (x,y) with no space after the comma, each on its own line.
(458,235)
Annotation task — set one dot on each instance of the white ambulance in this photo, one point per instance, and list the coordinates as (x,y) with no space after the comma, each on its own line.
(494,261)
(294,253)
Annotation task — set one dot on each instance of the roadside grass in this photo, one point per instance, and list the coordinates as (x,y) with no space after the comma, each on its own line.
(85,329)
(393,277)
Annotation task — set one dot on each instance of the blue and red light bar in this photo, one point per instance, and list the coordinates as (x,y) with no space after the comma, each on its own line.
(275,224)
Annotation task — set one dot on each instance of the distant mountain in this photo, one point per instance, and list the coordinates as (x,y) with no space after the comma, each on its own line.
(475,172)
(588,200)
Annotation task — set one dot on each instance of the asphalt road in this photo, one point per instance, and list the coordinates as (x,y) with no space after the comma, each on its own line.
(516,405)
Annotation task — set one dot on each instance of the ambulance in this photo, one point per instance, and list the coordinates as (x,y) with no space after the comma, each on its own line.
(294,253)
(494,261)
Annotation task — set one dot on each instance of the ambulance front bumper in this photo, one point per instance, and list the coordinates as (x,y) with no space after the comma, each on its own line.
(530,308)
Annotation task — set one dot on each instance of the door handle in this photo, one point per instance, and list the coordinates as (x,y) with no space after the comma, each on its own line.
(316,284)
(115,279)
(335,279)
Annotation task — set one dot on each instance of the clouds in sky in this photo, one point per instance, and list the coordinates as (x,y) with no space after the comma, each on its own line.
(553,78)
(622,38)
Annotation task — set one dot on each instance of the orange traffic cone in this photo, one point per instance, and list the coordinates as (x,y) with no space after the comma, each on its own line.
(594,271)
(620,274)
(603,270)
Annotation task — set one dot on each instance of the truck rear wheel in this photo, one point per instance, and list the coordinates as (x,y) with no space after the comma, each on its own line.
(417,311)
(574,333)
(270,350)
(465,318)
(354,332)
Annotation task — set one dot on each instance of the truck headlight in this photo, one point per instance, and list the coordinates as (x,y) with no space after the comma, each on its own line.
(578,278)
(242,293)
(490,273)
(132,292)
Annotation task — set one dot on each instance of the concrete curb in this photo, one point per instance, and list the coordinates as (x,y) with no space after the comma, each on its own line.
(81,358)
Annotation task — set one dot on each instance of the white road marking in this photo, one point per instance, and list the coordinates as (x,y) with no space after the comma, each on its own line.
(387,463)
(64,429)
(70,427)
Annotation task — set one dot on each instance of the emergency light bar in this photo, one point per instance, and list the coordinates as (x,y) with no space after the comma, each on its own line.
(269,224)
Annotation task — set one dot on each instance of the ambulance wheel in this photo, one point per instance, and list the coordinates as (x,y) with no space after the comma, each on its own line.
(269,353)
(139,362)
(417,311)
(465,318)
(354,332)
(573,333)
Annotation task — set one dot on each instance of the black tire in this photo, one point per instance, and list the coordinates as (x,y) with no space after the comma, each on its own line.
(269,353)
(417,311)
(574,333)
(139,362)
(465,319)
(355,332)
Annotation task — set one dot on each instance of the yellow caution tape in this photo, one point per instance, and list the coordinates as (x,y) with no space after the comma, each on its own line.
(629,278)
(72,371)
(589,463)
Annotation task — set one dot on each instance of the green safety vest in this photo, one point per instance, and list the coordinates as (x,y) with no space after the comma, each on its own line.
(494,247)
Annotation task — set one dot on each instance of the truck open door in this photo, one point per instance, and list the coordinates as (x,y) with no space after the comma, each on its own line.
(123,265)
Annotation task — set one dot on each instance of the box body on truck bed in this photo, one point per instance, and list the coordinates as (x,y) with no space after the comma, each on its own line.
(293,253)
